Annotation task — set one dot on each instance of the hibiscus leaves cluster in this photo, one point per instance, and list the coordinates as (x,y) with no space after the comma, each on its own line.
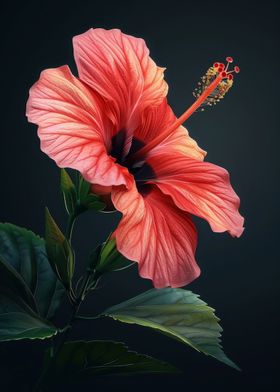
(38,273)
(129,153)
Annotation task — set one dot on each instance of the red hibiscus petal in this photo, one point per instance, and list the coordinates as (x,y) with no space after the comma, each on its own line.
(72,127)
(119,68)
(157,235)
(200,188)
(156,120)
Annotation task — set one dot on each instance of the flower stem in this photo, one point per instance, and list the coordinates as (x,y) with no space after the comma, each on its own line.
(76,303)
(73,317)
(70,225)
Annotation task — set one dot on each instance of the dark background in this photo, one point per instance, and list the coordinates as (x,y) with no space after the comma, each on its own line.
(240,278)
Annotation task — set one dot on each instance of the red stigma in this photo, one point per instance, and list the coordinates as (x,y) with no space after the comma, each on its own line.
(224,71)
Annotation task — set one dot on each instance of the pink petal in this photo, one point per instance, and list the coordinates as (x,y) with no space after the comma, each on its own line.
(72,128)
(200,188)
(157,235)
(119,68)
(156,120)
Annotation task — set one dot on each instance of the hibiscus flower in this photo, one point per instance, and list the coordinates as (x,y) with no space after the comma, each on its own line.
(113,124)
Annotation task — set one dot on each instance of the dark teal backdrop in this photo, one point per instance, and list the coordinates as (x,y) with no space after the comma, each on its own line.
(240,278)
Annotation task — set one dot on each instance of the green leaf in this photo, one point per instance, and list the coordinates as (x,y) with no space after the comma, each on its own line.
(11,280)
(59,251)
(84,189)
(107,258)
(93,202)
(68,191)
(88,200)
(18,321)
(25,269)
(79,360)
(78,198)
(177,313)
(29,290)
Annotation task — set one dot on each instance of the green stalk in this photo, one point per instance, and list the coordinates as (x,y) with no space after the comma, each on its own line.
(68,327)
(70,226)
(76,302)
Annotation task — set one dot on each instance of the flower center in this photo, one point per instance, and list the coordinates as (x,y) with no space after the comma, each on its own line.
(212,88)
(141,171)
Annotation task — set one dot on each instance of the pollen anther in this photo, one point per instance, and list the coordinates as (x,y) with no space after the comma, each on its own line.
(219,70)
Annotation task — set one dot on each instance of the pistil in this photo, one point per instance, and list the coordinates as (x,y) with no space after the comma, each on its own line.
(211,90)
